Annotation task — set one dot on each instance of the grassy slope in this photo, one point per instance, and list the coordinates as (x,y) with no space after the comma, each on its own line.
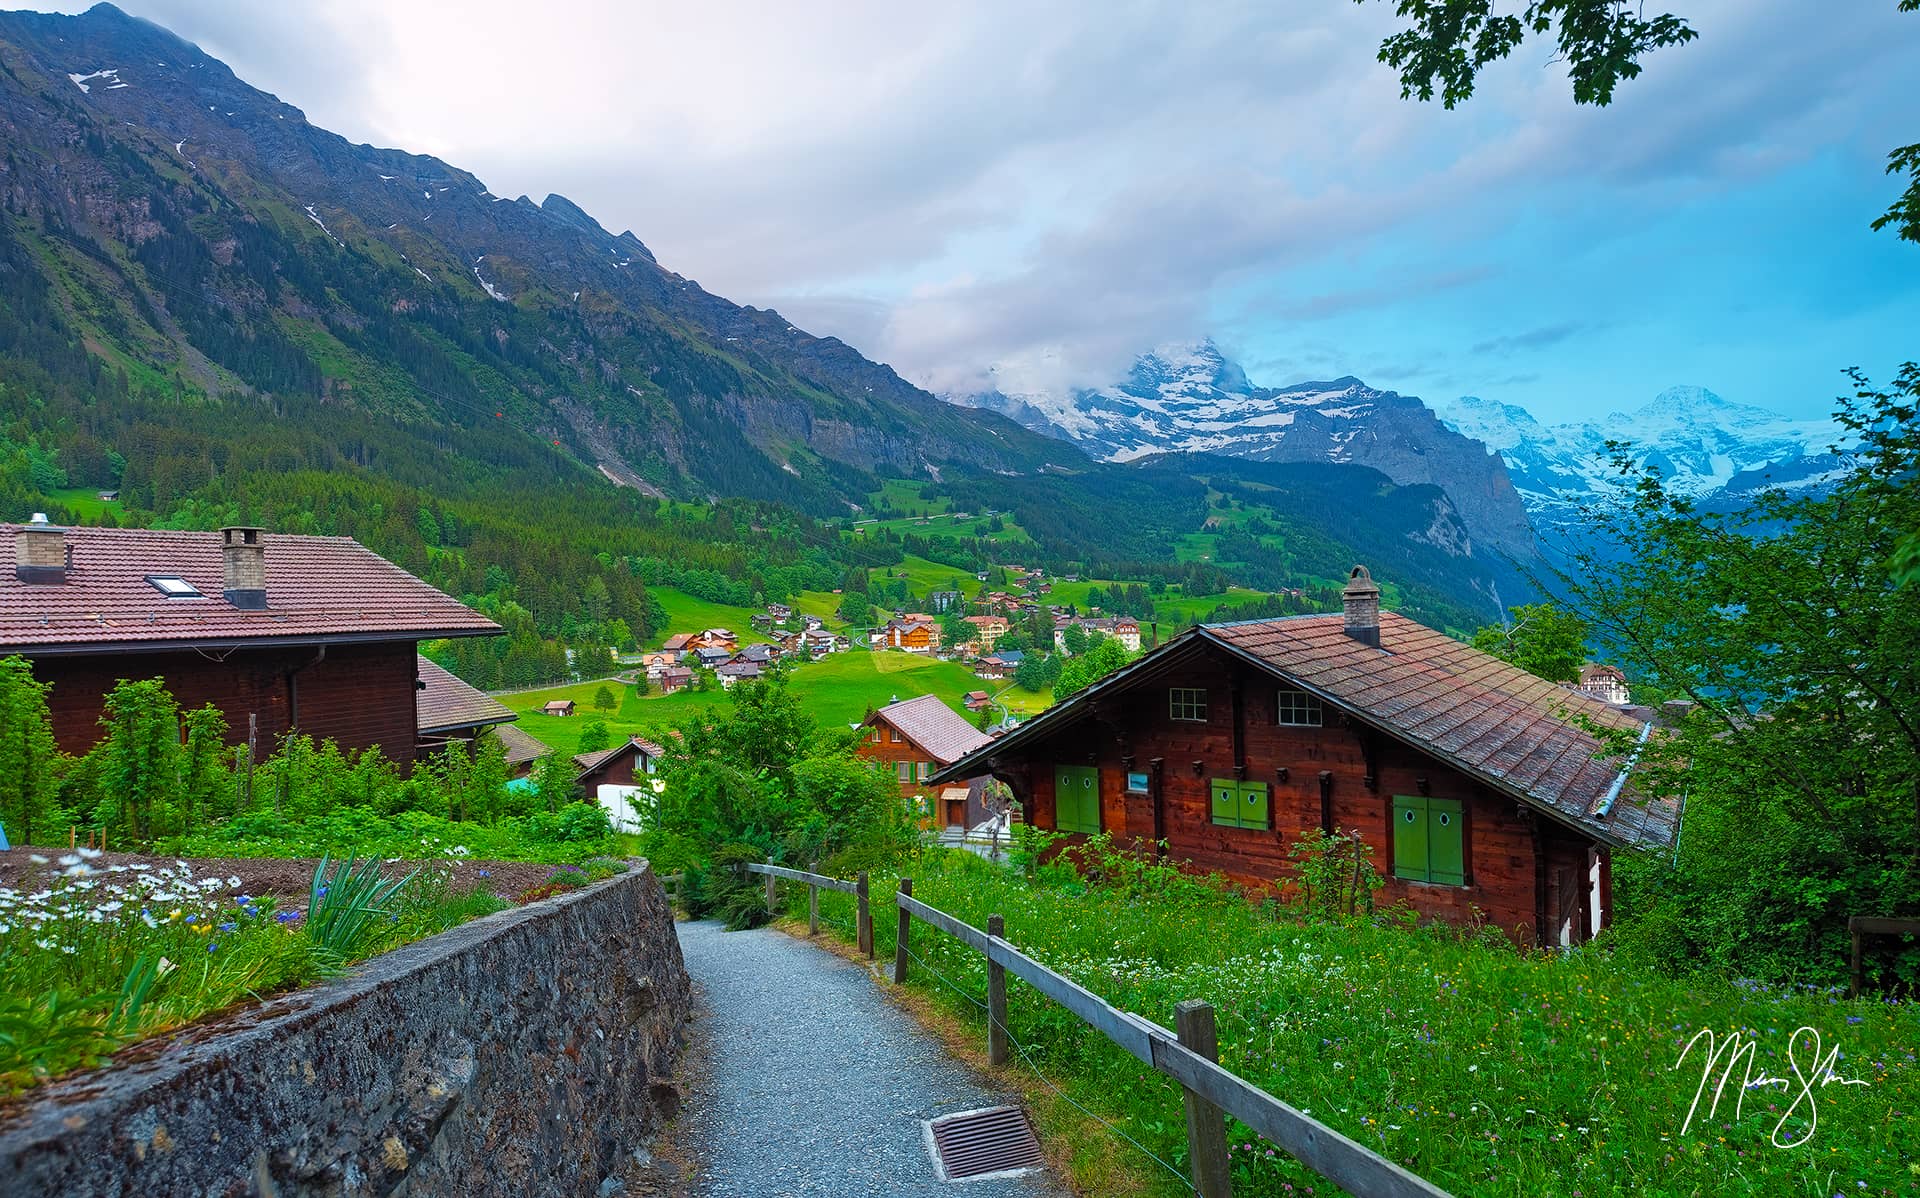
(1481,1069)
(837,689)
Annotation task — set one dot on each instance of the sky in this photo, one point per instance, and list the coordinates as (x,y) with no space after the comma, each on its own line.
(1034,194)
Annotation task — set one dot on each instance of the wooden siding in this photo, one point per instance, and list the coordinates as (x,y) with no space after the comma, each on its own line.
(358,695)
(1521,869)
(893,752)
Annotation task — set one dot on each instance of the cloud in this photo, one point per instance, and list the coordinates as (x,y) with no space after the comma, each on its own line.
(1539,338)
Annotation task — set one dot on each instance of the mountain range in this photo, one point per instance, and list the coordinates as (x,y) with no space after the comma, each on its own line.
(1704,447)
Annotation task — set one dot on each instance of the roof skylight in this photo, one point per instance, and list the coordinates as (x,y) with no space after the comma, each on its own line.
(174,587)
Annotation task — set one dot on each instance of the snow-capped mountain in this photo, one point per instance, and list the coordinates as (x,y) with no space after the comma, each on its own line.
(1192,399)
(1700,443)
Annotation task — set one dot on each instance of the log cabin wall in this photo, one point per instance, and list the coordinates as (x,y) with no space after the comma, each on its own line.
(893,752)
(359,695)
(1510,884)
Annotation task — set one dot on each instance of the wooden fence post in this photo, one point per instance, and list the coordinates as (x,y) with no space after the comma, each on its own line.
(813,910)
(771,880)
(863,920)
(1206,1123)
(900,937)
(996,998)
(1853,990)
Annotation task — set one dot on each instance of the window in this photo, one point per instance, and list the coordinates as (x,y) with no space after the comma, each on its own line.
(1240,804)
(893,734)
(905,770)
(1429,844)
(1187,703)
(1137,784)
(174,587)
(1298,708)
(1076,798)
(926,770)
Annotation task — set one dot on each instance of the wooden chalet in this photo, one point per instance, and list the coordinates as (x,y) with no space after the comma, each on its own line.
(675,679)
(450,712)
(978,700)
(918,737)
(559,707)
(281,633)
(1474,782)
(999,665)
(912,633)
(620,765)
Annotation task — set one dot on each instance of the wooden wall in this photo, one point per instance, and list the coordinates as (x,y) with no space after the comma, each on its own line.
(359,695)
(893,752)
(1511,878)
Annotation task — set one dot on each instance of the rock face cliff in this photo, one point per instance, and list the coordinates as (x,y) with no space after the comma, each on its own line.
(1192,399)
(189,225)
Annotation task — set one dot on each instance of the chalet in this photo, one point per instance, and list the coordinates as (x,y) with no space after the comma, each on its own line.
(522,750)
(1479,787)
(760,622)
(561,707)
(912,633)
(677,644)
(720,638)
(987,630)
(677,678)
(1605,683)
(449,712)
(917,737)
(656,664)
(733,672)
(613,778)
(978,700)
(813,623)
(999,665)
(758,654)
(712,656)
(780,612)
(819,642)
(281,633)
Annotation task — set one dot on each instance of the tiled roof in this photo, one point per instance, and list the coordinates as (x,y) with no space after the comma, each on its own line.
(589,762)
(445,703)
(939,730)
(520,745)
(318,589)
(1468,708)
(1514,731)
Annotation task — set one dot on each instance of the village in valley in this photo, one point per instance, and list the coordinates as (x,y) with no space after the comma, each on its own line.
(485,714)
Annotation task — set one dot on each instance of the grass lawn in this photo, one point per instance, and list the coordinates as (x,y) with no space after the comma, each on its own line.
(687,614)
(84,500)
(837,690)
(1485,1070)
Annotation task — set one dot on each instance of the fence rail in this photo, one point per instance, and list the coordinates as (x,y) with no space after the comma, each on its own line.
(1189,1056)
(815,883)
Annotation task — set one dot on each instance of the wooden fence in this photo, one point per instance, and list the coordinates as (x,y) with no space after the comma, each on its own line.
(1188,1055)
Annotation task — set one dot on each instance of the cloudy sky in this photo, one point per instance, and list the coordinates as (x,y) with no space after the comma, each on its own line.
(1034,193)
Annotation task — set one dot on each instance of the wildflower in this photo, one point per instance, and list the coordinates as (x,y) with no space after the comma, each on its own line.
(228,926)
(89,854)
(233,881)
(36,858)
(70,859)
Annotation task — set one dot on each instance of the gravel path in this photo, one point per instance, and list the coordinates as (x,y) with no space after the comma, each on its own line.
(814,1084)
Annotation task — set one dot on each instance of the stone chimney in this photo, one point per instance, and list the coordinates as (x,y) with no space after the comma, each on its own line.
(244,566)
(40,552)
(1362,600)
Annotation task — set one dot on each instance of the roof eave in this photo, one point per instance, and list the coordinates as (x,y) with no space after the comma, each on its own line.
(163,645)
(490,721)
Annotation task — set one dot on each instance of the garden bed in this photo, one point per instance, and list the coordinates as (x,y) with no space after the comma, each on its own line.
(283,877)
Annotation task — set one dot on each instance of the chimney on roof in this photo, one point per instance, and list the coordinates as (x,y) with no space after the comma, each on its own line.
(40,552)
(243,559)
(1362,600)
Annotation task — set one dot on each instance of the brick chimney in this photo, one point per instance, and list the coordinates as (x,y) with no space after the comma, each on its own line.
(1362,600)
(244,566)
(40,552)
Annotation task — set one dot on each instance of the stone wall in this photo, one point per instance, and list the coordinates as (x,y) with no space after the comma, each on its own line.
(524,1053)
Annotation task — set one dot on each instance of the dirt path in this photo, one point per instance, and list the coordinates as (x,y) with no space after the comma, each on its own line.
(814,1084)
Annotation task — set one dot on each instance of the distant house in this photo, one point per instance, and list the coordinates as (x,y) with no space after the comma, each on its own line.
(760,622)
(911,633)
(732,672)
(281,633)
(813,623)
(758,654)
(557,707)
(987,630)
(677,678)
(978,700)
(819,642)
(1605,683)
(449,712)
(1480,789)
(1124,629)
(656,664)
(999,665)
(712,657)
(943,601)
(613,778)
(677,643)
(916,737)
(522,749)
(780,612)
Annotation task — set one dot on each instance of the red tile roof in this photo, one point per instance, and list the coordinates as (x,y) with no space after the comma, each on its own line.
(1514,731)
(939,730)
(318,589)
(446,704)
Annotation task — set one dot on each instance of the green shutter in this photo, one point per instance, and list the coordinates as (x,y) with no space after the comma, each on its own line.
(1410,838)
(1226,802)
(1445,846)
(1076,798)
(1253,804)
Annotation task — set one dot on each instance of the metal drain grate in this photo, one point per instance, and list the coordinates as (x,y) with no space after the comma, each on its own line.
(984,1143)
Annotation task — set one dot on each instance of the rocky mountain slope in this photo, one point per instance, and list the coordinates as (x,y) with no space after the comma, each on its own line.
(1705,447)
(1193,400)
(203,238)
